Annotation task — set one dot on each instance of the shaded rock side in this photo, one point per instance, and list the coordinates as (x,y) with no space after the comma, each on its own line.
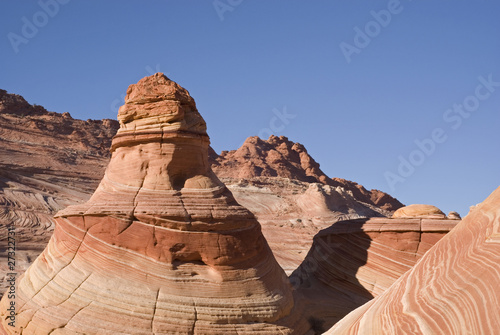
(291,212)
(161,247)
(453,289)
(354,261)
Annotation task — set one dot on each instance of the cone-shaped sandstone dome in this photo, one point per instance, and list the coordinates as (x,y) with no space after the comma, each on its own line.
(418,211)
(162,247)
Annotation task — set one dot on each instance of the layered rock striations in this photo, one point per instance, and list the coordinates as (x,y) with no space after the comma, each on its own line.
(292,198)
(280,157)
(50,161)
(161,246)
(47,162)
(292,212)
(354,261)
(453,289)
(151,224)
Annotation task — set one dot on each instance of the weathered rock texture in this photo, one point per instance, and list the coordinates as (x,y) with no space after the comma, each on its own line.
(419,211)
(453,289)
(292,198)
(454,216)
(279,157)
(292,212)
(47,162)
(162,246)
(353,261)
(50,161)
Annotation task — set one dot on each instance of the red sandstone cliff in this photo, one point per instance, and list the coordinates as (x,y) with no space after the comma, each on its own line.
(280,157)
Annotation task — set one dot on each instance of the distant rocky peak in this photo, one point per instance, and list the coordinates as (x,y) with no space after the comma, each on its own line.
(279,157)
(16,104)
(274,157)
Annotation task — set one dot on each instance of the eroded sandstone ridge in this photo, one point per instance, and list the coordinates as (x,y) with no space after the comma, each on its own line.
(453,289)
(292,198)
(161,247)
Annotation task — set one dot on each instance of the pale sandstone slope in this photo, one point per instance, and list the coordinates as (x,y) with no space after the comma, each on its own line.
(280,157)
(292,198)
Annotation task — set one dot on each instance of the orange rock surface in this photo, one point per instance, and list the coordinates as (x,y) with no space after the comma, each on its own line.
(48,161)
(453,289)
(280,157)
(419,211)
(161,247)
(156,188)
(354,261)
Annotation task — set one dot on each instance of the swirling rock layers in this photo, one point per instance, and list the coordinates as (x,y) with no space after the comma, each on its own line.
(48,161)
(354,261)
(453,289)
(161,247)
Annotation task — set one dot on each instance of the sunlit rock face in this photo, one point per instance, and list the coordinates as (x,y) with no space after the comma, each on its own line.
(161,247)
(453,289)
(419,211)
(48,161)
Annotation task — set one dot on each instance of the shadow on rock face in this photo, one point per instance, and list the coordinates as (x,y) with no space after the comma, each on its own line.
(325,283)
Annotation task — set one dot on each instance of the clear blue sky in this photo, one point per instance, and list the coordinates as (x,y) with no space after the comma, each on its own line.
(245,61)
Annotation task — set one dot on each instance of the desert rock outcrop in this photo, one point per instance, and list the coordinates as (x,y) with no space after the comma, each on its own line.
(161,246)
(280,157)
(418,211)
(353,261)
(292,212)
(453,289)
(48,161)
(61,160)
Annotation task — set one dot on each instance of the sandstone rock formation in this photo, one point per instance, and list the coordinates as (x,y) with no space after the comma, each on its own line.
(419,211)
(355,260)
(374,197)
(279,157)
(161,246)
(454,216)
(292,198)
(276,179)
(292,212)
(47,162)
(453,289)
(50,161)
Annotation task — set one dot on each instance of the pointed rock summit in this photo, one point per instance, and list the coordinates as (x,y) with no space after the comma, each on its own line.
(161,247)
